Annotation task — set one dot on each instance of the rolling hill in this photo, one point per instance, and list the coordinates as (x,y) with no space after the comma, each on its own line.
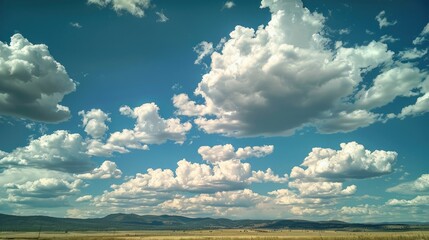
(116,222)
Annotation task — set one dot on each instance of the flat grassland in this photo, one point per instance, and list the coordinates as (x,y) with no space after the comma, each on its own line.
(222,234)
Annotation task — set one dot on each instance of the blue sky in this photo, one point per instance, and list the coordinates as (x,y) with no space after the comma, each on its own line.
(240,109)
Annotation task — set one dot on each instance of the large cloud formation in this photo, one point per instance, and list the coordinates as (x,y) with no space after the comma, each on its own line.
(60,151)
(32,83)
(353,161)
(285,76)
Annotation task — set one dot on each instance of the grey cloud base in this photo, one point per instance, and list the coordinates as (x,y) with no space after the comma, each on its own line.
(32,83)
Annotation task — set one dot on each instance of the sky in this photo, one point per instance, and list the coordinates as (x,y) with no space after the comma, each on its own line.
(240,109)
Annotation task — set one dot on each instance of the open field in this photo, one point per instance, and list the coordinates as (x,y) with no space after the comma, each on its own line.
(221,234)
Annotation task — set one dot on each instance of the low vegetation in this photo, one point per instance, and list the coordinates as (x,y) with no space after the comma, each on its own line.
(226,234)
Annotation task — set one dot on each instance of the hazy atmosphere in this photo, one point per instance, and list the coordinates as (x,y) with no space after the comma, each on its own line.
(239,109)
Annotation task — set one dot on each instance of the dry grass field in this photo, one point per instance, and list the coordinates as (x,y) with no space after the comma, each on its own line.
(221,234)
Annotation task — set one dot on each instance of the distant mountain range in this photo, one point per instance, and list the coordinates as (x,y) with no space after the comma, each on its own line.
(117,222)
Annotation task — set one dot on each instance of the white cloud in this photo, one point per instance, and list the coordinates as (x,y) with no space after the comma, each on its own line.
(61,151)
(299,210)
(288,197)
(420,185)
(106,170)
(161,17)
(158,185)
(421,105)
(203,49)
(411,54)
(211,203)
(227,152)
(229,4)
(134,7)
(353,161)
(359,210)
(98,148)
(344,31)
(94,122)
(187,107)
(22,175)
(282,77)
(422,36)
(395,82)
(345,121)
(366,57)
(44,192)
(417,201)
(84,198)
(2,154)
(322,189)
(267,176)
(382,20)
(75,25)
(388,38)
(33,83)
(150,128)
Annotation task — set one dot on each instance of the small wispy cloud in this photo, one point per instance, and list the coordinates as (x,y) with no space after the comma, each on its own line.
(161,17)
(369,32)
(228,5)
(203,49)
(388,38)
(75,25)
(344,31)
(382,20)
(421,38)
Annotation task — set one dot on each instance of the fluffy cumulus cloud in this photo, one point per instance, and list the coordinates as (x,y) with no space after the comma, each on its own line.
(322,189)
(61,151)
(43,192)
(94,122)
(420,185)
(417,201)
(150,128)
(134,7)
(25,188)
(108,169)
(288,197)
(382,20)
(215,204)
(353,161)
(359,210)
(49,172)
(293,79)
(268,176)
(32,83)
(159,185)
(219,153)
(84,198)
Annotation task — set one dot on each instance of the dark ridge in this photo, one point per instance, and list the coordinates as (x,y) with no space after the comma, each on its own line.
(120,221)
